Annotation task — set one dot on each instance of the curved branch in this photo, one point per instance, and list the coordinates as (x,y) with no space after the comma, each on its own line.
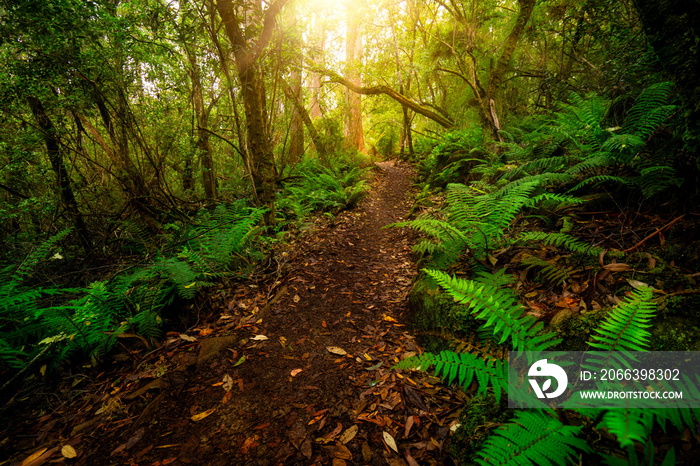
(386,90)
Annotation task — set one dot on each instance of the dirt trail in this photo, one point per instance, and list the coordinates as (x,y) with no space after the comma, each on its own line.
(317,390)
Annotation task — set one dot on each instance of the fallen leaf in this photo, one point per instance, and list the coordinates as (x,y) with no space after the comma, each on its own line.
(250,443)
(375,367)
(388,318)
(259,338)
(341,452)
(296,298)
(407,428)
(336,350)
(366,452)
(187,337)
(297,434)
(168,460)
(68,451)
(240,361)
(206,331)
(617,267)
(202,415)
(332,434)
(227,397)
(227,383)
(389,440)
(636,284)
(409,459)
(305,448)
(295,372)
(33,456)
(349,434)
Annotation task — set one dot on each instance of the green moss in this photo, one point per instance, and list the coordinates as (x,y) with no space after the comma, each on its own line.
(575,330)
(687,306)
(434,315)
(674,334)
(480,416)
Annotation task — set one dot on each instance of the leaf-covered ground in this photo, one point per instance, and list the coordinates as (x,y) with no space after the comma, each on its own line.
(292,369)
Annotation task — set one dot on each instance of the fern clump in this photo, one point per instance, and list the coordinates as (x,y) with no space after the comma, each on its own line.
(462,369)
(56,323)
(533,437)
(560,240)
(499,308)
(625,329)
(316,188)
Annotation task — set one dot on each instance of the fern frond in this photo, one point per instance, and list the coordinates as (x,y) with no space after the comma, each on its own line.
(625,329)
(539,165)
(499,279)
(499,308)
(628,425)
(589,163)
(654,180)
(562,200)
(462,368)
(547,271)
(29,264)
(560,240)
(533,437)
(650,110)
(599,179)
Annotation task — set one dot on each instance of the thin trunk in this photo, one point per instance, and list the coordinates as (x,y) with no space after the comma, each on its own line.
(53,148)
(316,138)
(354,134)
(316,111)
(202,143)
(296,144)
(498,72)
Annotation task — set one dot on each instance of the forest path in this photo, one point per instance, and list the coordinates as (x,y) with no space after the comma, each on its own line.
(303,379)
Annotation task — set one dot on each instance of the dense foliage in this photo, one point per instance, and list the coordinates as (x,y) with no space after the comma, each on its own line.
(150,148)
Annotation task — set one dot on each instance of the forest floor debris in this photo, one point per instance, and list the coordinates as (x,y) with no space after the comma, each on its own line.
(295,370)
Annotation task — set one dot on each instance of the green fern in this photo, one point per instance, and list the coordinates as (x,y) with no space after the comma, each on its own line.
(600,179)
(560,240)
(625,329)
(462,368)
(445,244)
(500,279)
(533,437)
(650,110)
(657,179)
(589,164)
(547,271)
(499,309)
(628,425)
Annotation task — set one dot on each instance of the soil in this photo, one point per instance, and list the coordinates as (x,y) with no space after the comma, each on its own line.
(295,369)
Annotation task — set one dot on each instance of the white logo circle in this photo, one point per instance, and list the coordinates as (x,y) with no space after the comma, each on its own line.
(542,368)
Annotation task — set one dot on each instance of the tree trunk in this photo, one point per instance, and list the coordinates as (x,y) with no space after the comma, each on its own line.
(296,144)
(316,138)
(247,52)
(503,65)
(202,116)
(53,148)
(354,135)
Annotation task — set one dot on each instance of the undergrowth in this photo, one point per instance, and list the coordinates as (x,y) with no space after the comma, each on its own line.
(48,325)
(511,216)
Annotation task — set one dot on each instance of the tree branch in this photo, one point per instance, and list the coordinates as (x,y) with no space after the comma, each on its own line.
(386,90)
